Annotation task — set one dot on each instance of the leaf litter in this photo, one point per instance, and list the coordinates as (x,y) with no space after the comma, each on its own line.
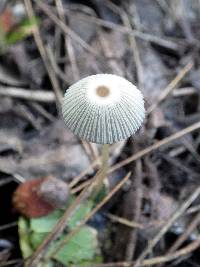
(35,143)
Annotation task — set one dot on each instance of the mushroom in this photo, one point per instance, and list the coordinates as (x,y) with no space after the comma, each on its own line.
(103,109)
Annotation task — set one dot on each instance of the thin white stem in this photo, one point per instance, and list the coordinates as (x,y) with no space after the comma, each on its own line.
(103,170)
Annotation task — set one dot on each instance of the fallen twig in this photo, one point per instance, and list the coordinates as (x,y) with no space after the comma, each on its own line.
(136,156)
(155,146)
(144,36)
(43,53)
(185,91)
(193,224)
(11,262)
(180,210)
(8,225)
(64,27)
(171,86)
(162,259)
(139,154)
(124,221)
(34,95)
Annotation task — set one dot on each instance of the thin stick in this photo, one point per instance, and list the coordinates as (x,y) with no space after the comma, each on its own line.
(155,146)
(33,95)
(17,177)
(124,221)
(89,216)
(193,209)
(8,225)
(144,36)
(171,86)
(11,262)
(41,110)
(41,48)
(64,27)
(110,25)
(103,170)
(133,45)
(83,173)
(94,151)
(80,187)
(137,206)
(4,182)
(68,45)
(72,58)
(139,154)
(168,224)
(194,223)
(185,91)
(153,261)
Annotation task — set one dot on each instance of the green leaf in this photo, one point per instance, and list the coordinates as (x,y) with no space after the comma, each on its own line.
(46,223)
(101,194)
(80,214)
(80,250)
(22,31)
(36,239)
(24,241)
(81,247)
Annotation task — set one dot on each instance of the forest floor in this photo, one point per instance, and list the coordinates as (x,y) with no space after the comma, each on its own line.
(154,219)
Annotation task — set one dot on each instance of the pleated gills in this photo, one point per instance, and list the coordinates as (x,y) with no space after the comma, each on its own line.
(106,123)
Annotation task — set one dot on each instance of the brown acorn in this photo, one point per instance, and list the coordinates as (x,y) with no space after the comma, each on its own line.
(39,197)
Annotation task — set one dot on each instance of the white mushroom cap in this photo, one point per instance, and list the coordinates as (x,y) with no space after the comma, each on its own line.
(103,108)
